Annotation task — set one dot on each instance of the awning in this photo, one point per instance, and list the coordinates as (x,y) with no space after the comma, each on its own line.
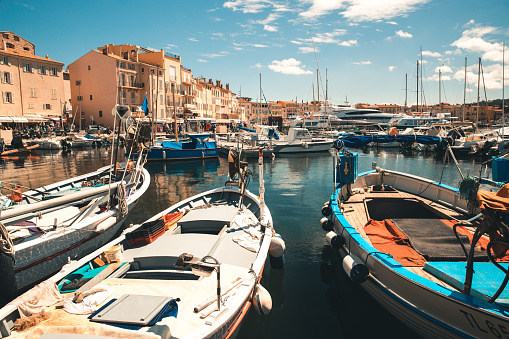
(36,118)
(5,119)
(19,119)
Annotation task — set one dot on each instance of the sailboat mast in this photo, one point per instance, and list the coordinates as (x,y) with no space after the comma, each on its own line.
(503,94)
(465,90)
(318,88)
(439,91)
(478,88)
(260,103)
(417,86)
(406,90)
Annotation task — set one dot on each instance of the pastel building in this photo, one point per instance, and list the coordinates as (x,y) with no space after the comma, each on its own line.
(32,87)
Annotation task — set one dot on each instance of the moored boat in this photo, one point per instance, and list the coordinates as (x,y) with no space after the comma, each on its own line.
(191,271)
(421,249)
(198,147)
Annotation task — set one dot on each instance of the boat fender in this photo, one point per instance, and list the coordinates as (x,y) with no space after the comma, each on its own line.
(334,240)
(355,268)
(277,252)
(326,224)
(106,224)
(306,145)
(326,209)
(262,301)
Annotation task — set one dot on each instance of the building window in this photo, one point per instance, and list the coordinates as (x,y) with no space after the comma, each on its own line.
(16,38)
(100,114)
(42,69)
(27,67)
(26,49)
(3,60)
(33,92)
(160,72)
(6,78)
(8,97)
(30,105)
(53,71)
(142,70)
(132,98)
(6,36)
(53,94)
(80,98)
(124,95)
(160,84)
(90,96)
(8,45)
(47,106)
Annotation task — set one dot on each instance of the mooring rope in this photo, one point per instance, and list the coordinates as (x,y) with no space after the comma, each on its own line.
(122,200)
(6,245)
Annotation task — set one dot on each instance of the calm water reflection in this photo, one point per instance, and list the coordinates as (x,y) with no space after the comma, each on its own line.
(311,296)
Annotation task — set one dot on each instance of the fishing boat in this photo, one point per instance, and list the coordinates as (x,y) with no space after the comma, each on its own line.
(198,147)
(42,229)
(191,271)
(421,249)
(299,140)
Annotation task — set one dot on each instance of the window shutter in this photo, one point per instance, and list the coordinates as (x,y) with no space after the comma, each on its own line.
(9,61)
(11,78)
(3,97)
(12,97)
(46,71)
(32,68)
(2,77)
(51,106)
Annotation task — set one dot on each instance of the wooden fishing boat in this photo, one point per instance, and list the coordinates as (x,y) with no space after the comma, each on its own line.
(421,250)
(69,219)
(190,271)
(19,151)
(43,229)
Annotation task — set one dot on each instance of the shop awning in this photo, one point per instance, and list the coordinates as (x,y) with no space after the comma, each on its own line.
(36,118)
(19,119)
(5,119)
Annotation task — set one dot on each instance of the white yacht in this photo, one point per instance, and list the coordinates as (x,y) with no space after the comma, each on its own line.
(299,140)
(371,115)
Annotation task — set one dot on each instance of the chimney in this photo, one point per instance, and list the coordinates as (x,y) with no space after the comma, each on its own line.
(4,46)
(228,87)
(218,83)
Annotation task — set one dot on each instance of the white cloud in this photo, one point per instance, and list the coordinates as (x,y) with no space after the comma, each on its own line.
(456,52)
(255,6)
(321,7)
(474,40)
(288,66)
(391,68)
(348,43)
(258,65)
(216,36)
(270,28)
(431,54)
(362,63)
(201,60)
(402,34)
(492,76)
(307,49)
(259,45)
(193,39)
(296,42)
(443,69)
(435,77)
(216,19)
(369,10)
(215,55)
(392,23)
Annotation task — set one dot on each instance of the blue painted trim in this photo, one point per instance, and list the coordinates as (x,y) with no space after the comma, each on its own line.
(390,263)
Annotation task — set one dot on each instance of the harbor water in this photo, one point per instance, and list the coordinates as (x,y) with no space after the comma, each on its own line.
(312,298)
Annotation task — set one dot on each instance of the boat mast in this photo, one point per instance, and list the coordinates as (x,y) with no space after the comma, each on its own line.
(318,88)
(260,102)
(478,89)
(406,90)
(503,85)
(465,90)
(439,91)
(417,86)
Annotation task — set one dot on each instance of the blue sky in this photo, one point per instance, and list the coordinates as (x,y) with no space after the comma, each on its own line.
(366,46)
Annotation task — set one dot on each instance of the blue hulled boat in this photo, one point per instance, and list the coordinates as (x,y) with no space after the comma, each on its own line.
(432,255)
(195,148)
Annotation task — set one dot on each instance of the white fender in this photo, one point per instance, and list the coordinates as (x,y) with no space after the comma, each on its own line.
(355,268)
(262,301)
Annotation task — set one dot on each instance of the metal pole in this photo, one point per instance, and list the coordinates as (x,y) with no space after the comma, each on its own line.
(503,87)
(465,90)
(478,88)
(417,85)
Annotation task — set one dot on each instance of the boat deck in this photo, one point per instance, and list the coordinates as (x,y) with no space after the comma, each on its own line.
(356,213)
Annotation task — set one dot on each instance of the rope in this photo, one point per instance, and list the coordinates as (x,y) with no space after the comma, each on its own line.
(122,200)
(6,245)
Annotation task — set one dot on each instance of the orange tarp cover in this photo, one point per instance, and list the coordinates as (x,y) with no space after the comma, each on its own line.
(495,201)
(482,243)
(393,131)
(388,238)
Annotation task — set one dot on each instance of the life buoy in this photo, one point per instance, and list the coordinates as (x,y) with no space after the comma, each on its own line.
(16,195)
(130,166)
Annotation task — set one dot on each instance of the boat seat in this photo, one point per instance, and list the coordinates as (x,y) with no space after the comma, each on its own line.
(163,253)
(209,220)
